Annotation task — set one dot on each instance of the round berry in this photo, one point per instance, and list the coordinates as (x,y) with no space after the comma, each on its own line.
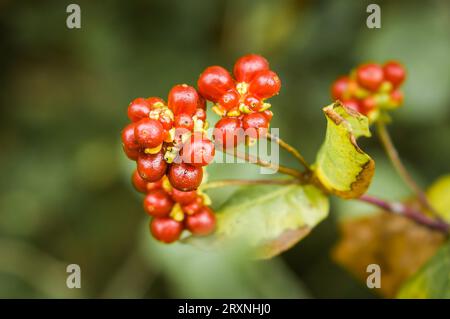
(214,82)
(228,132)
(268,114)
(149,133)
(166,120)
(194,206)
(183,197)
(183,99)
(184,121)
(185,177)
(367,105)
(339,88)
(131,154)
(166,229)
(198,150)
(253,103)
(201,103)
(201,223)
(138,109)
(394,72)
(265,84)
(155,185)
(158,203)
(200,114)
(129,141)
(396,97)
(352,104)
(155,102)
(255,124)
(151,167)
(370,76)
(229,100)
(138,182)
(247,66)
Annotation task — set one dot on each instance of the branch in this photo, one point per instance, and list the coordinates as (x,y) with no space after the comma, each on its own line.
(408,212)
(290,149)
(399,167)
(277,168)
(235,182)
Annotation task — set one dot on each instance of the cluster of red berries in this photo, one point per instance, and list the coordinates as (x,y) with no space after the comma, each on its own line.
(241,102)
(371,87)
(170,147)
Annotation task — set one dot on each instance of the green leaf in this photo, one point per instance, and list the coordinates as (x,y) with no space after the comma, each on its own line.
(433,280)
(271,219)
(341,166)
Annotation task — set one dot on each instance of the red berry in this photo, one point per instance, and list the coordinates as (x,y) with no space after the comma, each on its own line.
(253,102)
(214,82)
(183,99)
(201,103)
(247,66)
(396,97)
(128,138)
(183,197)
(151,167)
(194,206)
(138,109)
(255,124)
(367,105)
(131,154)
(394,72)
(339,88)
(229,100)
(149,133)
(265,84)
(201,114)
(185,177)
(198,150)
(184,121)
(166,121)
(352,104)
(158,203)
(154,185)
(201,223)
(155,101)
(138,182)
(166,229)
(228,132)
(268,114)
(370,76)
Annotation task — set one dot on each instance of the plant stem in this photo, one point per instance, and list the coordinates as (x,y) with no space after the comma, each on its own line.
(290,149)
(407,211)
(399,167)
(278,168)
(235,182)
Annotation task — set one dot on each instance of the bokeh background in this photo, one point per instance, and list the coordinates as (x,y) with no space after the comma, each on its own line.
(65,195)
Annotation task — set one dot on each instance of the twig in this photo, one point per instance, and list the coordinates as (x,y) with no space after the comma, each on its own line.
(235,182)
(400,168)
(290,149)
(277,168)
(407,211)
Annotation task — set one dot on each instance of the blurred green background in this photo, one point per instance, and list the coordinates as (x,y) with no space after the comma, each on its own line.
(65,195)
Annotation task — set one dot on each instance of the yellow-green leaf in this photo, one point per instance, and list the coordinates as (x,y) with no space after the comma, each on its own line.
(269,219)
(439,197)
(341,166)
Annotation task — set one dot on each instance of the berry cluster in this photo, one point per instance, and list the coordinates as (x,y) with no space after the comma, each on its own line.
(241,102)
(371,87)
(174,210)
(170,147)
